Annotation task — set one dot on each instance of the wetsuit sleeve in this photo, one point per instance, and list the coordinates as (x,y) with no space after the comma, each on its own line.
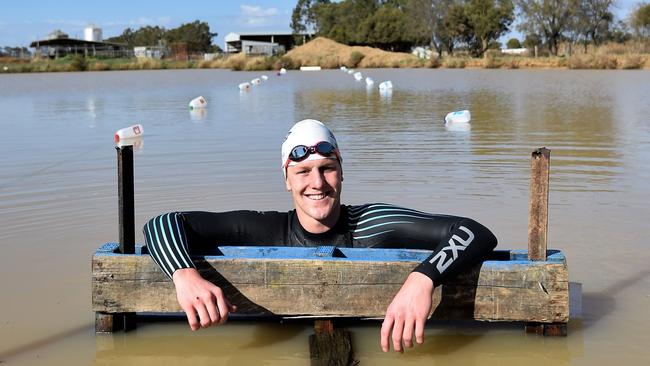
(465,243)
(172,237)
(457,242)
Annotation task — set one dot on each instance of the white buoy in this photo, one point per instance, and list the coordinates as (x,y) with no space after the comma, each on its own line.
(369,81)
(458,117)
(264,77)
(343,68)
(358,76)
(244,86)
(458,127)
(386,85)
(283,71)
(130,132)
(198,102)
(256,81)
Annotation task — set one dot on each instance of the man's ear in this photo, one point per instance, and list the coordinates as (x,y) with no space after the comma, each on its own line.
(287,184)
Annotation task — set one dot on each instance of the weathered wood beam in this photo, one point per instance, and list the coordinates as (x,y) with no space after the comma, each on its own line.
(513,289)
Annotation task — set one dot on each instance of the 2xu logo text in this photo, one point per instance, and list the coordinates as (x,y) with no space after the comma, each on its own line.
(456,244)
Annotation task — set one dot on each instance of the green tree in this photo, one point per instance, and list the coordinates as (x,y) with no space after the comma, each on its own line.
(640,20)
(145,36)
(303,17)
(532,40)
(513,43)
(488,20)
(337,21)
(593,20)
(386,28)
(440,23)
(550,19)
(197,35)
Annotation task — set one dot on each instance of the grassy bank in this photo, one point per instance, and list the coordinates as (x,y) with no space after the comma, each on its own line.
(329,55)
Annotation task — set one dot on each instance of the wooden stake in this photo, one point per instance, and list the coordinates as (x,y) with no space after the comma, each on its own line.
(538,213)
(330,346)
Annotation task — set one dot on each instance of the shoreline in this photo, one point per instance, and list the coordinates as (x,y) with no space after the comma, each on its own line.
(328,54)
(636,62)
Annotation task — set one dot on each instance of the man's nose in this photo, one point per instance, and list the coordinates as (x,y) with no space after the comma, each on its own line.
(316,179)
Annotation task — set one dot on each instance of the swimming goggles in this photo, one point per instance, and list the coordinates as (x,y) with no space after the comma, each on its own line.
(302,152)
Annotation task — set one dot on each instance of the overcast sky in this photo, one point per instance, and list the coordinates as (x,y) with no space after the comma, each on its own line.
(24,21)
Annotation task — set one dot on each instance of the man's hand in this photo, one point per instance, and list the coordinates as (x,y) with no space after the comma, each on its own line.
(203,302)
(407,313)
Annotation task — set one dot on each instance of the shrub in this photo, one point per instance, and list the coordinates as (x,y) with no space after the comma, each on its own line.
(511,63)
(632,62)
(236,63)
(78,63)
(355,59)
(490,60)
(286,62)
(434,61)
(454,63)
(98,66)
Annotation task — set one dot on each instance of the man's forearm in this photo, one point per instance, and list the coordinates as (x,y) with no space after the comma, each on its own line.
(467,243)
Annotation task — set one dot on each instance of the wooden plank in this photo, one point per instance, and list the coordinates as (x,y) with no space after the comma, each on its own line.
(510,290)
(538,205)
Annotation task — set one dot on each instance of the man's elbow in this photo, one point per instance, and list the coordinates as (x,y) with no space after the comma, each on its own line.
(483,236)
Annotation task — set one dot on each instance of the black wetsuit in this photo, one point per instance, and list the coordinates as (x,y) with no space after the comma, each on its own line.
(457,242)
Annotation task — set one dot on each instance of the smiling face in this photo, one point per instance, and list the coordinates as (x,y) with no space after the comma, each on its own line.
(315,187)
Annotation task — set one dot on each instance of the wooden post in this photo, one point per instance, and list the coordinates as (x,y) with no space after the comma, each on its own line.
(111,322)
(329,346)
(540,165)
(125,193)
(538,212)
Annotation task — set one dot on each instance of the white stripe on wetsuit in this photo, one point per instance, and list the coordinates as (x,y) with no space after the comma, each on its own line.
(374,219)
(167,243)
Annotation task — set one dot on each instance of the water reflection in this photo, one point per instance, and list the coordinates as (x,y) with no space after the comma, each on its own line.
(198,115)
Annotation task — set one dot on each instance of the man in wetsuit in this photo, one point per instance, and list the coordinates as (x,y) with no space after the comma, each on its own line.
(311,163)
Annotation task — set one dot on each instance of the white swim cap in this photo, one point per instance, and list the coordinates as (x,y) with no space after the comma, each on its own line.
(307,132)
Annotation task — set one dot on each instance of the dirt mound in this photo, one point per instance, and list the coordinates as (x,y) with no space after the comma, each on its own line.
(329,54)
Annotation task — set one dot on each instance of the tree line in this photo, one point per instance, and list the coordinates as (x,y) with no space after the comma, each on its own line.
(196,35)
(475,25)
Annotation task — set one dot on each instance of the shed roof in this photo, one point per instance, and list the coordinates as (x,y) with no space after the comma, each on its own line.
(63,42)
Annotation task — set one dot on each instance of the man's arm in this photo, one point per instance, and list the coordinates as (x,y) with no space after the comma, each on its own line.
(171,238)
(465,243)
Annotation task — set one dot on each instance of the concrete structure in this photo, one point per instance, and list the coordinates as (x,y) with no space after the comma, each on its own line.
(261,43)
(58,44)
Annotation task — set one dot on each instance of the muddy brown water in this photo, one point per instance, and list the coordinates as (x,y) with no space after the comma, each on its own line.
(58,197)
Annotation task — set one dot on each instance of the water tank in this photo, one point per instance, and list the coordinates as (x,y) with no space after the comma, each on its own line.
(93,33)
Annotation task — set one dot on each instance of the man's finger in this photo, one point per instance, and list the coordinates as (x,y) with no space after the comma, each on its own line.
(386,328)
(203,315)
(191,317)
(222,304)
(407,335)
(398,328)
(419,330)
(212,310)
